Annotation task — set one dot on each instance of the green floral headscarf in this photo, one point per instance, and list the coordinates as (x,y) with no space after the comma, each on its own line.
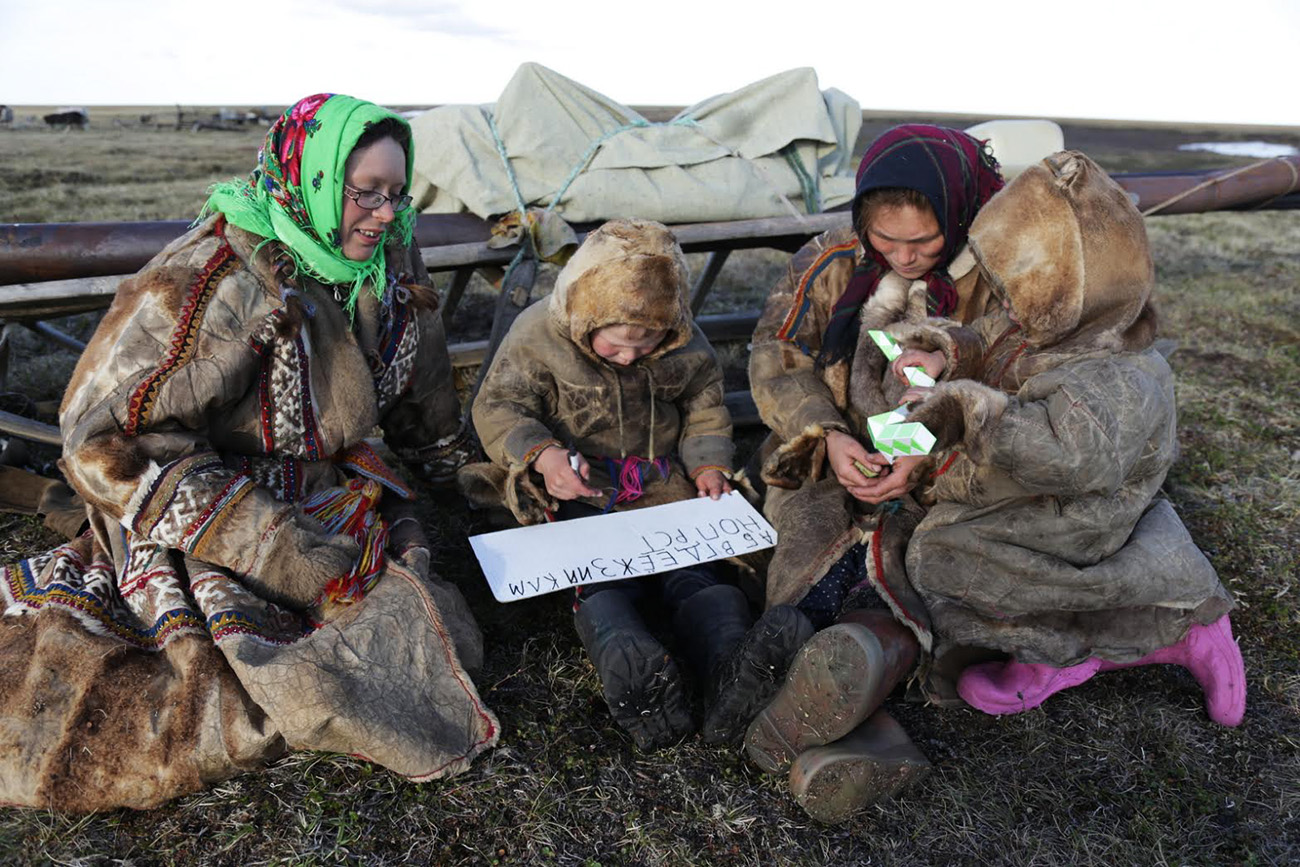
(295,195)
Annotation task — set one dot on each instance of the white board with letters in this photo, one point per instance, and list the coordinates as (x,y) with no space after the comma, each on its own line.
(545,558)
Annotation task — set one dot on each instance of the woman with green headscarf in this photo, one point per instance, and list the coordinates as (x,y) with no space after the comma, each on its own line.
(253,579)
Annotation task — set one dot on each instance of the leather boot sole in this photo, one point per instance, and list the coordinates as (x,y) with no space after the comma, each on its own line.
(874,761)
(833,685)
(753,673)
(644,690)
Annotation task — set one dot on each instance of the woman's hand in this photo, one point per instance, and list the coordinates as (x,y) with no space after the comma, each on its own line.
(892,484)
(932,363)
(852,463)
(562,481)
(894,480)
(712,484)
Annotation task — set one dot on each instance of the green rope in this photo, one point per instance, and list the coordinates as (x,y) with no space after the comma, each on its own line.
(812,197)
(525,246)
(505,161)
(580,166)
(583,161)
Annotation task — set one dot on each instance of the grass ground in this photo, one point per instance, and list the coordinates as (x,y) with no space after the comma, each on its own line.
(1124,769)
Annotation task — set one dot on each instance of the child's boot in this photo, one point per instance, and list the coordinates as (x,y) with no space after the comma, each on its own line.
(741,662)
(875,760)
(639,680)
(1208,652)
(1211,654)
(835,682)
(1014,687)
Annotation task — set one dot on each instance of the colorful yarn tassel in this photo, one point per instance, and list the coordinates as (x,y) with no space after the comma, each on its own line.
(629,475)
(352,510)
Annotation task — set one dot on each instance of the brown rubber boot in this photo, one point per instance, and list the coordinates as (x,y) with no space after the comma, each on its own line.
(876,760)
(834,683)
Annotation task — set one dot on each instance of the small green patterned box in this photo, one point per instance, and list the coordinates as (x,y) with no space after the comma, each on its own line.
(895,436)
(887,344)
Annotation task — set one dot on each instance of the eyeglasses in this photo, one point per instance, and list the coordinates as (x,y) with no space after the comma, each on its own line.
(372,200)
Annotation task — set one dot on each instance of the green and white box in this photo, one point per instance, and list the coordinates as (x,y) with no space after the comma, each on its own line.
(889,346)
(895,436)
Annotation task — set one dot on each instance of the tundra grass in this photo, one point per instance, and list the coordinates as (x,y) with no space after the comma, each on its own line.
(1123,769)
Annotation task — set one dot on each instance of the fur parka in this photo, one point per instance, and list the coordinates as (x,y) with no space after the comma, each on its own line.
(178,642)
(816,519)
(547,386)
(1047,537)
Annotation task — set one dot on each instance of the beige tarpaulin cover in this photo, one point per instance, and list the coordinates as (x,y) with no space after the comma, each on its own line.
(777,146)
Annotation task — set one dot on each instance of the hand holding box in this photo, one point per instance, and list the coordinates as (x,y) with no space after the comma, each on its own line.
(895,436)
(889,346)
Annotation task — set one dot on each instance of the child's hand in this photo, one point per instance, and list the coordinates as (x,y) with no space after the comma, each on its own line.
(914,394)
(562,481)
(712,484)
(932,363)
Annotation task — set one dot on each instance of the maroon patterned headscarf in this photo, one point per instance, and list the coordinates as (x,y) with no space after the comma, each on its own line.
(956,173)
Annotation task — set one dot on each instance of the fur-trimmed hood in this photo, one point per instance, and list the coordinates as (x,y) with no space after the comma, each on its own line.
(1046,537)
(1067,250)
(546,385)
(595,288)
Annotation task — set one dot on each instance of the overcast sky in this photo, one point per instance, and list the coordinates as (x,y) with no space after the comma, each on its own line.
(1230,62)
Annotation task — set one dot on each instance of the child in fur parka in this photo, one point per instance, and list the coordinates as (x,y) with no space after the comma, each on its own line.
(1048,539)
(608,396)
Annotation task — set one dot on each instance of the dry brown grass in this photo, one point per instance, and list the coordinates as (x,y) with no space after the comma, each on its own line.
(51,176)
(1125,769)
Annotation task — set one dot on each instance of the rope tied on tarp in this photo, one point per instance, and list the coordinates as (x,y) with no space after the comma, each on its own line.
(809,183)
(514,188)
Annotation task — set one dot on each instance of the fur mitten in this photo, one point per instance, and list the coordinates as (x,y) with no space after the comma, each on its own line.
(801,458)
(962,347)
(299,561)
(961,413)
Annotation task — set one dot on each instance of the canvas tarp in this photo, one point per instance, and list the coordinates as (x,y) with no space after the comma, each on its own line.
(772,148)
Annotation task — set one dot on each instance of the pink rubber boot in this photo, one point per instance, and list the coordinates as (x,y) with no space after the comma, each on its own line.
(1014,687)
(1211,654)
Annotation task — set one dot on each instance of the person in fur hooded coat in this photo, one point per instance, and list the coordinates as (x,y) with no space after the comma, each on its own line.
(606,397)
(843,513)
(904,258)
(1048,539)
(254,579)
(1045,537)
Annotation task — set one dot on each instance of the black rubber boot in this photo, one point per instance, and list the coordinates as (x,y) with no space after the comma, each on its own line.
(743,665)
(640,681)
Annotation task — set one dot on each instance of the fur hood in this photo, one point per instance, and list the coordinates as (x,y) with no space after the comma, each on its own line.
(1046,536)
(1067,250)
(592,290)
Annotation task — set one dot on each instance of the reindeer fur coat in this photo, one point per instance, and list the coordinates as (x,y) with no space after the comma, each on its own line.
(1048,538)
(172,645)
(815,518)
(547,386)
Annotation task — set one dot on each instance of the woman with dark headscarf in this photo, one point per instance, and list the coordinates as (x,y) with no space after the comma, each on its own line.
(816,378)
(253,579)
